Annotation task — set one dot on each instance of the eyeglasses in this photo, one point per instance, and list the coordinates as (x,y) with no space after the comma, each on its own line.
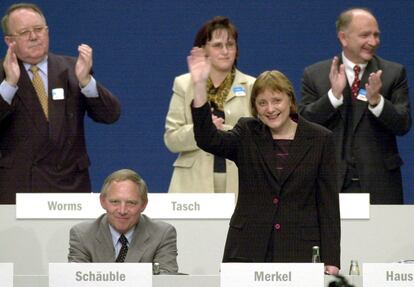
(220,46)
(26,33)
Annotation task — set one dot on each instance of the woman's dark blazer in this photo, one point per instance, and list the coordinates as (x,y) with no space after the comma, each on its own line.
(300,206)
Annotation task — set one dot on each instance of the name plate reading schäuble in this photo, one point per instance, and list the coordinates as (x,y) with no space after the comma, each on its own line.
(100,274)
(272,274)
(388,275)
(6,274)
(160,205)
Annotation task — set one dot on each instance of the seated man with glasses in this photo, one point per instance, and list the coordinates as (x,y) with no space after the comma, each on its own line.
(123,234)
(43,101)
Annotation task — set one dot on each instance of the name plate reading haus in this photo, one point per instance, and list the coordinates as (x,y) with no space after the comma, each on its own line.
(160,205)
(388,275)
(272,274)
(6,274)
(100,274)
(354,205)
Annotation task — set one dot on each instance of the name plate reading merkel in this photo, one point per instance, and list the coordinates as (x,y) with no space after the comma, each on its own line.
(6,274)
(272,274)
(388,275)
(100,274)
(160,205)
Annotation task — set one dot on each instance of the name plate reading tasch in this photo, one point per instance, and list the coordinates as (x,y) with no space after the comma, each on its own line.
(6,274)
(190,205)
(272,274)
(388,275)
(100,274)
(160,205)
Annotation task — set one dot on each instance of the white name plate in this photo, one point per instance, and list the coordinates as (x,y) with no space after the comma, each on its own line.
(100,274)
(160,205)
(190,205)
(6,274)
(388,275)
(354,205)
(272,274)
(58,205)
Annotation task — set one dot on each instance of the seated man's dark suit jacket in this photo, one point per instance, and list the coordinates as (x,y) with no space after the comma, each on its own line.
(37,156)
(152,241)
(302,200)
(374,145)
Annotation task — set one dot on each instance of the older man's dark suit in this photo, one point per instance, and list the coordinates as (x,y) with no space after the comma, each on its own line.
(39,157)
(372,140)
(303,200)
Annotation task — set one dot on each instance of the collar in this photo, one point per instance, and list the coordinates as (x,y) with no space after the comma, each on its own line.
(349,66)
(115,234)
(42,65)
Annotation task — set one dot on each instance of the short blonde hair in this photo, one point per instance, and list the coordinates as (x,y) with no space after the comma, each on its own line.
(123,175)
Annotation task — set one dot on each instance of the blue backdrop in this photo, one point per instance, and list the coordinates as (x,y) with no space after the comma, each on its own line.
(140,46)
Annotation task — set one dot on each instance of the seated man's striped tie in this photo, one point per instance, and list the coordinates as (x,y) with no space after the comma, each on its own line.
(124,249)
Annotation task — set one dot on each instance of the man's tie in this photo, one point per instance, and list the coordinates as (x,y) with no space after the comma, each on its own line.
(356,83)
(124,249)
(40,90)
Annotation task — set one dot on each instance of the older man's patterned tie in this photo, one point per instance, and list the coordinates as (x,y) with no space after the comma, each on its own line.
(40,90)
(356,83)
(124,249)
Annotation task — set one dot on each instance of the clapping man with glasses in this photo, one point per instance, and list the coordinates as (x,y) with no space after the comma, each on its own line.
(43,101)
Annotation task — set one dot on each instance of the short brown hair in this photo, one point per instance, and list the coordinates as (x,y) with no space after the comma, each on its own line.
(274,81)
(123,175)
(205,33)
(14,7)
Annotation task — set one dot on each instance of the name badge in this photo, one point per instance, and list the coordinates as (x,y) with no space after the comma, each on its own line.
(6,274)
(362,95)
(58,94)
(388,275)
(239,91)
(272,274)
(100,274)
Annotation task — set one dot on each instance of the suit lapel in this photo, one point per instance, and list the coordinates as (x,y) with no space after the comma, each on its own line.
(360,107)
(299,147)
(29,99)
(138,244)
(264,142)
(239,83)
(104,241)
(57,78)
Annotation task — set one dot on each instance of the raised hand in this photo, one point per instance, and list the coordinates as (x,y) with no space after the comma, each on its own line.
(337,78)
(84,65)
(198,65)
(373,88)
(11,66)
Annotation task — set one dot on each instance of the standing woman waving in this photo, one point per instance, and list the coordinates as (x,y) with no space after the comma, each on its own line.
(288,201)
